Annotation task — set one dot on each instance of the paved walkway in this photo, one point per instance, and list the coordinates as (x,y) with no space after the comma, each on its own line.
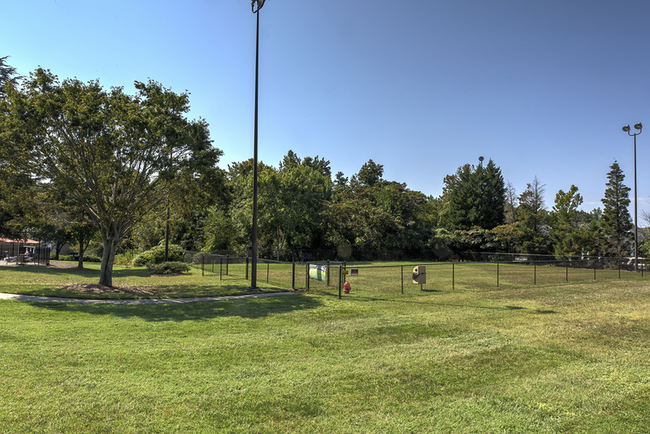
(38,299)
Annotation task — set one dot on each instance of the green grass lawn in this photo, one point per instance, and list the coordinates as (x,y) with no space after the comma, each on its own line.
(35,280)
(530,358)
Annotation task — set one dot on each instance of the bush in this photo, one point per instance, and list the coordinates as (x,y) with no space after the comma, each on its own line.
(124,259)
(157,255)
(75,257)
(92,258)
(170,268)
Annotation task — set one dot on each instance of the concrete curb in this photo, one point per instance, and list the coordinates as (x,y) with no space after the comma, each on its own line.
(39,299)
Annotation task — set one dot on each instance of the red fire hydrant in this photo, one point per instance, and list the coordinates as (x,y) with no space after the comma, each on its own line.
(347,287)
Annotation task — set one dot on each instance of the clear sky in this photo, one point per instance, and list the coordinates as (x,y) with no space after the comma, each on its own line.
(420,86)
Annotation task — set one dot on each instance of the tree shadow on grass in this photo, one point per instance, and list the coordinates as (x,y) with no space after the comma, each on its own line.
(82,272)
(416,301)
(250,308)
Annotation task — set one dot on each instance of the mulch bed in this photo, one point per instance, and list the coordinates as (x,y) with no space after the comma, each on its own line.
(57,264)
(95,288)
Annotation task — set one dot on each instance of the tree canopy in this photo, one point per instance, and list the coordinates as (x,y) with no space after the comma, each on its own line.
(76,159)
(476,197)
(110,154)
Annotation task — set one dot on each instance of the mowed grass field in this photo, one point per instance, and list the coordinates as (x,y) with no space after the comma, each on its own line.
(545,357)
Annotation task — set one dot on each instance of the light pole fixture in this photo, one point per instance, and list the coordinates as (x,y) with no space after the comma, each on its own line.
(256,5)
(626,128)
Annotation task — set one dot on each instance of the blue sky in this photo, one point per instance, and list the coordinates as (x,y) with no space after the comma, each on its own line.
(420,86)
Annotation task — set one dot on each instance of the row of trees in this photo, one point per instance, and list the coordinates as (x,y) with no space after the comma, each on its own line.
(302,210)
(78,161)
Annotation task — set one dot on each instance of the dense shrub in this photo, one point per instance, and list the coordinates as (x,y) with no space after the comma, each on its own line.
(170,268)
(92,258)
(87,258)
(157,255)
(124,259)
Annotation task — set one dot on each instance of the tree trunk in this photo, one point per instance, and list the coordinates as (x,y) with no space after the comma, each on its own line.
(57,249)
(82,249)
(110,239)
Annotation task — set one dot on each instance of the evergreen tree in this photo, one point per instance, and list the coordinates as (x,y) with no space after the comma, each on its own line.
(566,220)
(7,75)
(616,221)
(533,235)
(370,173)
(476,197)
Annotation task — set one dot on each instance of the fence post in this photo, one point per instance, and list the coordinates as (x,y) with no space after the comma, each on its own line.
(497,274)
(226,265)
(307,278)
(328,273)
(619,269)
(535,274)
(594,272)
(221,268)
(268,269)
(212,265)
(293,275)
(340,274)
(567,274)
(246,267)
(402,270)
(202,265)
(453,276)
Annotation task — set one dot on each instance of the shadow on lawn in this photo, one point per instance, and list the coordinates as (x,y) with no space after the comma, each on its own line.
(408,300)
(82,272)
(244,308)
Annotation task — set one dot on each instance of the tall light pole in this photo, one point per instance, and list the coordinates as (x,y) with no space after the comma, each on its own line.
(256,5)
(626,128)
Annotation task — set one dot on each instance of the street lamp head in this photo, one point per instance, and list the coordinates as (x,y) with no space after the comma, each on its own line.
(639,126)
(258,3)
(626,128)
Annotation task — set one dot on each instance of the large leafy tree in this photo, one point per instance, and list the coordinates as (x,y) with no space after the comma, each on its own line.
(16,185)
(616,221)
(292,202)
(111,155)
(237,208)
(384,217)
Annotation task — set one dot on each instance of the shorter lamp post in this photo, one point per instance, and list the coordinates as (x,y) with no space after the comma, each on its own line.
(626,128)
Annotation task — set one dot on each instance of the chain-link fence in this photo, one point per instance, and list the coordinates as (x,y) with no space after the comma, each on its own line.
(294,275)
(476,271)
(24,254)
(495,271)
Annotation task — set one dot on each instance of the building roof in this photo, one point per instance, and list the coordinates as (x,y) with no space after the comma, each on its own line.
(24,241)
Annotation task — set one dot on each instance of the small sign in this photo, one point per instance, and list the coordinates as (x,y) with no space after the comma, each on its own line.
(354,271)
(345,272)
(317,272)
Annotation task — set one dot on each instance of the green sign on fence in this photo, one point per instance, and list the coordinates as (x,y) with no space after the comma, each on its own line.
(318,272)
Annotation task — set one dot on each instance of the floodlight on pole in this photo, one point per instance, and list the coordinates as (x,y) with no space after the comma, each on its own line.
(626,128)
(256,5)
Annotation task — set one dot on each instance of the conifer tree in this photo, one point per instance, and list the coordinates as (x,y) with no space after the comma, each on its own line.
(476,197)
(616,220)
